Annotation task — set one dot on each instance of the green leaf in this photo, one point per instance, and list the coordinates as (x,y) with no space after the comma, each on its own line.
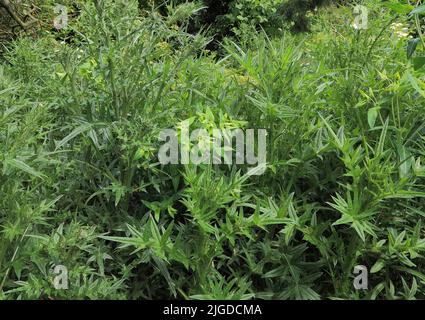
(411,46)
(345,219)
(418,62)
(405,161)
(415,84)
(77,131)
(405,194)
(377,266)
(418,10)
(372,114)
(24,167)
(398,7)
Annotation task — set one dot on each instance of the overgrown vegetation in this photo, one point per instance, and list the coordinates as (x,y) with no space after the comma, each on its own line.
(81,186)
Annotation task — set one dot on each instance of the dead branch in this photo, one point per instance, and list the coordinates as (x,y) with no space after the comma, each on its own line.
(7,6)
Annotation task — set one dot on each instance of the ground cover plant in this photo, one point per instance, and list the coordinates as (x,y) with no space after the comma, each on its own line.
(82,188)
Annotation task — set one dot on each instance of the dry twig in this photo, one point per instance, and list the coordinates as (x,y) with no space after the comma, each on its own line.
(7,6)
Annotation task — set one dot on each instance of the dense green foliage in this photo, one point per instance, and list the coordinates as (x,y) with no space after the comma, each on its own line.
(225,17)
(81,185)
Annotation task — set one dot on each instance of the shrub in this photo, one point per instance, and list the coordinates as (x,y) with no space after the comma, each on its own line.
(234,17)
(82,186)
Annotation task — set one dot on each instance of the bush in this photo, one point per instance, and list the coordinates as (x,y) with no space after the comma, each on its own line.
(234,17)
(82,186)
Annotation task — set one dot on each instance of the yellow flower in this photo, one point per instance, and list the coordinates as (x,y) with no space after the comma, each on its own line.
(240,79)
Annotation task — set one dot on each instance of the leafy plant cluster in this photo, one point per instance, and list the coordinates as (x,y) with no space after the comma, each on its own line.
(81,185)
(236,17)
(415,28)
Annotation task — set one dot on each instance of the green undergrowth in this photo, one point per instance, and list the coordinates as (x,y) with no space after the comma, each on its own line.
(81,185)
